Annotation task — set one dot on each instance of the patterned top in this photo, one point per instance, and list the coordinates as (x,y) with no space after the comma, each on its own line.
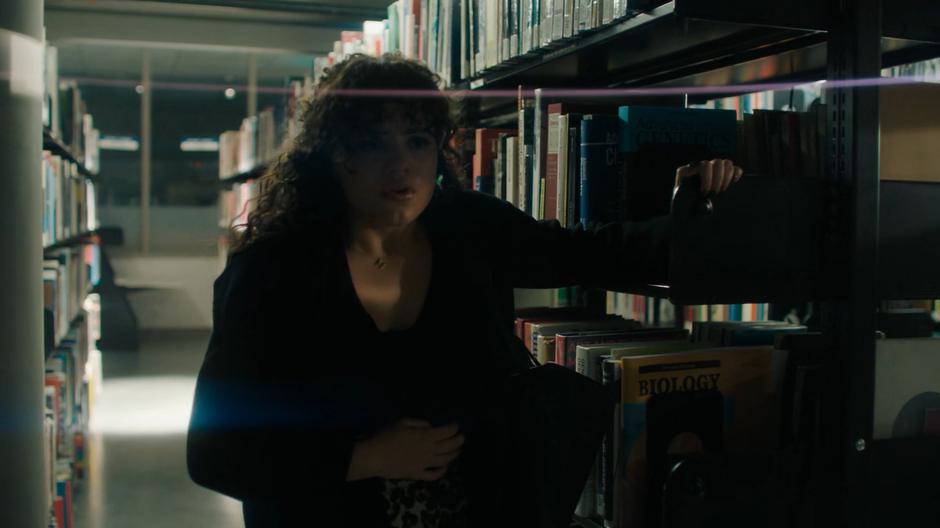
(440,503)
(415,358)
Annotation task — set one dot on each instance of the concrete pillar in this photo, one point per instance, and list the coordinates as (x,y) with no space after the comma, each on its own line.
(146,128)
(23,500)
(252,85)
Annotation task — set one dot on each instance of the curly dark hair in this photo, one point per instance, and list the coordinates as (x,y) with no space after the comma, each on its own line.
(300,186)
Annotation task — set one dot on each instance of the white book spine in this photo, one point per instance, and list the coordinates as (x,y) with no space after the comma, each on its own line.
(546,21)
(561,204)
(558,19)
(511,170)
(536,24)
(538,146)
(525,26)
(423,33)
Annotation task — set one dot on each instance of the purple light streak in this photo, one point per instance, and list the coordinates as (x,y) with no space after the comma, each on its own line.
(716,91)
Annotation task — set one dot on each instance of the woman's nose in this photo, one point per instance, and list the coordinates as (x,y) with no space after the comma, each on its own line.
(397,155)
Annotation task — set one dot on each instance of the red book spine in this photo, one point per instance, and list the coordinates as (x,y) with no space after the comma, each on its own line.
(477,168)
(58,507)
(527,335)
(69,518)
(560,342)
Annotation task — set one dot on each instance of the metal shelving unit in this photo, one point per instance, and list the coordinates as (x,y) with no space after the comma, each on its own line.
(731,42)
(54,145)
(242,177)
(76,240)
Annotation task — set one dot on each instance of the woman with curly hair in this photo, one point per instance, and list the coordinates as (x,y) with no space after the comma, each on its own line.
(360,326)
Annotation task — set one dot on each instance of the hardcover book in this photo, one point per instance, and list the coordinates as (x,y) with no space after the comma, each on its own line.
(654,141)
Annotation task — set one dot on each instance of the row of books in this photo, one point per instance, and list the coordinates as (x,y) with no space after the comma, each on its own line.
(69,207)
(595,162)
(725,387)
(235,204)
(68,277)
(780,133)
(798,99)
(417,29)
(656,311)
(774,140)
(460,39)
(642,361)
(72,315)
(72,379)
(493,32)
(254,144)
(922,71)
(65,114)
(298,89)
(575,162)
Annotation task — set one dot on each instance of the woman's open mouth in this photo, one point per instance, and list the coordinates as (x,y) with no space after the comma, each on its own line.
(399,193)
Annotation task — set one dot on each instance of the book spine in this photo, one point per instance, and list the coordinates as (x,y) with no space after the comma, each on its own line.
(610,378)
(423,32)
(465,40)
(539,131)
(558,19)
(586,505)
(551,166)
(546,20)
(598,169)
(525,26)
(499,167)
(434,36)
(561,186)
(574,172)
(515,42)
(526,158)
(536,24)
(512,169)
(560,349)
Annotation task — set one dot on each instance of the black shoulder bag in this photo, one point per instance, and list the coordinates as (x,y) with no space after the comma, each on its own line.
(557,419)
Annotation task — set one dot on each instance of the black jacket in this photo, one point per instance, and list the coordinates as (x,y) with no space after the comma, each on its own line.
(282,396)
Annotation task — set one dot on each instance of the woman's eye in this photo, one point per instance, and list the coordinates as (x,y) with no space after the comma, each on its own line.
(367,144)
(419,142)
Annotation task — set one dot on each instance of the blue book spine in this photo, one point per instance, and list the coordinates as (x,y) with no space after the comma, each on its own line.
(716,130)
(599,190)
(528,146)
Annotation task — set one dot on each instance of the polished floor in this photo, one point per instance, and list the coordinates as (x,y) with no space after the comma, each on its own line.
(136,452)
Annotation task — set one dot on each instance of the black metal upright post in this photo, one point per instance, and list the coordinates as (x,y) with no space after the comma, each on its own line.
(23,497)
(854,50)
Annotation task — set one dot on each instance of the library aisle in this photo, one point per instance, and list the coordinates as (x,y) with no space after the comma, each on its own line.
(136,453)
(766,357)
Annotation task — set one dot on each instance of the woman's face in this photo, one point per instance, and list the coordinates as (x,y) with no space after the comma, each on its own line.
(388,174)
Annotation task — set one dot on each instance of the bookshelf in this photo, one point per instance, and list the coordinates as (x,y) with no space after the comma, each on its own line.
(87,237)
(55,145)
(70,270)
(242,177)
(856,244)
(665,32)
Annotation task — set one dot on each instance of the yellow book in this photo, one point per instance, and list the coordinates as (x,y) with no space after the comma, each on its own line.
(742,375)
